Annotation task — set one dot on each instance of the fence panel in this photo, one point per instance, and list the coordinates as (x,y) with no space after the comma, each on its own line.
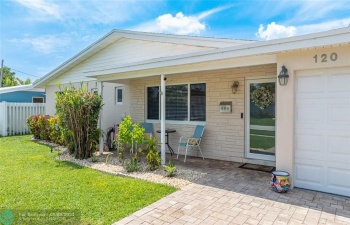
(13,117)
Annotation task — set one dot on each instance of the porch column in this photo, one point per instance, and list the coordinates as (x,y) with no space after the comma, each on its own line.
(100,92)
(162,117)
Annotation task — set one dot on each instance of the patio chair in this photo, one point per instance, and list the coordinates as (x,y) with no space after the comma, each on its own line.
(148,129)
(193,141)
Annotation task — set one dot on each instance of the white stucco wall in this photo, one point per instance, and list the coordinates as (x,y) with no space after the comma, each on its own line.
(296,62)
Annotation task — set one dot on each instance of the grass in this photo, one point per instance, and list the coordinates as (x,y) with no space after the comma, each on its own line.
(262,121)
(32,180)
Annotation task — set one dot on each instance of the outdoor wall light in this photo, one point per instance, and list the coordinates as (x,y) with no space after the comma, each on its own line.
(235,87)
(283,77)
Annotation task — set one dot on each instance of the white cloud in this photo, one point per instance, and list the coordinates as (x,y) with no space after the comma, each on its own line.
(274,31)
(40,6)
(45,44)
(179,24)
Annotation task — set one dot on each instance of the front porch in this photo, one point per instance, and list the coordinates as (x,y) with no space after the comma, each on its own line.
(225,133)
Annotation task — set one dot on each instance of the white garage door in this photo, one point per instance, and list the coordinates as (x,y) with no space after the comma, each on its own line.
(322,132)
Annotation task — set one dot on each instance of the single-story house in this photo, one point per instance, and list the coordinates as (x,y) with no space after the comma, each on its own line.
(22,94)
(283,102)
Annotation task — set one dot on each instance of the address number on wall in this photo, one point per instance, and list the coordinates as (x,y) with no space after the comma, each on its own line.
(325,57)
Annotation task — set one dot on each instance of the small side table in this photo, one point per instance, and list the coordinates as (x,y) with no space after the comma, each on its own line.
(167,132)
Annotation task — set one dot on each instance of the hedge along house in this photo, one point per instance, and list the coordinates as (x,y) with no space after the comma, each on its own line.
(301,127)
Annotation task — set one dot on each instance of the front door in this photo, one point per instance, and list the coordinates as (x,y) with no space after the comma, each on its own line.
(260,119)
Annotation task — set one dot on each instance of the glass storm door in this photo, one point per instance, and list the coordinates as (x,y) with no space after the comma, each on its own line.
(260,119)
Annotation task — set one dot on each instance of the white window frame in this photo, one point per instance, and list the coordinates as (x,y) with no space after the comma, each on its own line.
(116,95)
(187,122)
(40,98)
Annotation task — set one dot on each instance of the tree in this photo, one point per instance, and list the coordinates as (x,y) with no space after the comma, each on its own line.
(9,79)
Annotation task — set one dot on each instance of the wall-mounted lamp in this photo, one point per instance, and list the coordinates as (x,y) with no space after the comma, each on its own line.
(283,77)
(235,87)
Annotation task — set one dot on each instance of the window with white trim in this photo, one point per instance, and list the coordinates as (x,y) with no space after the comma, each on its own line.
(183,102)
(119,95)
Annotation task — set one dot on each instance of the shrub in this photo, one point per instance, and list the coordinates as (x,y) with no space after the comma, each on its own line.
(56,135)
(134,163)
(45,127)
(78,111)
(170,169)
(152,156)
(130,134)
(39,126)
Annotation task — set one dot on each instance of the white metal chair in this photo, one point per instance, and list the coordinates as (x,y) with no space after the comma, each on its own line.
(193,141)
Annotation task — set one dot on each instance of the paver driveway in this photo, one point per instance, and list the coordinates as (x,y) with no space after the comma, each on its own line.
(230,195)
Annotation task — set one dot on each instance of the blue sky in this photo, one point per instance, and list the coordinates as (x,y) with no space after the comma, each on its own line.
(36,36)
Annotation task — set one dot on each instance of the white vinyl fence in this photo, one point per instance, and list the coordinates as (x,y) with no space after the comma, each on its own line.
(13,117)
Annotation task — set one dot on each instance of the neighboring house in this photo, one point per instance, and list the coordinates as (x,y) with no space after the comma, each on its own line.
(22,94)
(302,127)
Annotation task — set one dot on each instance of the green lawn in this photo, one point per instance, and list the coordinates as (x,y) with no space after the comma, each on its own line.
(32,180)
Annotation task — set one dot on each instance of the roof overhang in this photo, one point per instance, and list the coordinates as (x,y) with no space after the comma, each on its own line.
(29,87)
(264,49)
(115,35)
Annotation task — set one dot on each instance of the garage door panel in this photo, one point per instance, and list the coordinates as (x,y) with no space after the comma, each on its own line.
(309,143)
(338,180)
(322,133)
(338,83)
(339,114)
(340,146)
(310,111)
(310,84)
(309,174)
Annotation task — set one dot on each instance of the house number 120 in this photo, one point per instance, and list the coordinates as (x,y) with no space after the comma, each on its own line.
(333,57)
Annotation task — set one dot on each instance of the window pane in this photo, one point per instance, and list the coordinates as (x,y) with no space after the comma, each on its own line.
(153,103)
(120,95)
(198,105)
(176,102)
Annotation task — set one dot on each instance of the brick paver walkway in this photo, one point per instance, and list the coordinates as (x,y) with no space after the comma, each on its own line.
(229,195)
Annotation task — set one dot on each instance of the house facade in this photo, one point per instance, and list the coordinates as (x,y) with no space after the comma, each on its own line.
(233,88)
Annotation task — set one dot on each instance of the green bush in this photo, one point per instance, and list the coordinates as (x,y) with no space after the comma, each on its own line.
(78,111)
(129,135)
(134,163)
(45,127)
(56,134)
(39,126)
(152,156)
(133,135)
(170,169)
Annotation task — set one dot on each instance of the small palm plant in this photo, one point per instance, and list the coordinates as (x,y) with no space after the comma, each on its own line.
(170,169)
